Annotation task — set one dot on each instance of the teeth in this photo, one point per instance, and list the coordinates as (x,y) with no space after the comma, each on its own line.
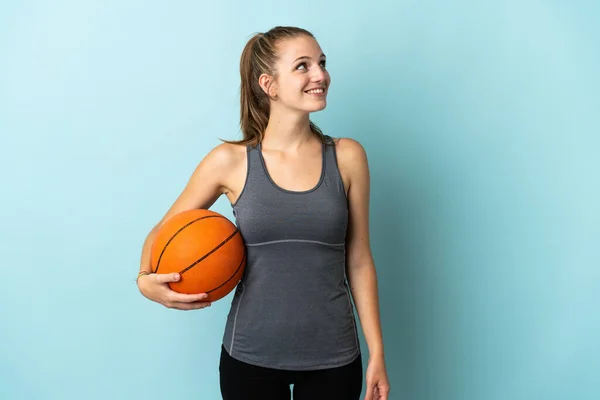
(314,91)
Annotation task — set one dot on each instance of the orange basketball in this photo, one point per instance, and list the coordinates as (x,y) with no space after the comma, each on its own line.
(205,248)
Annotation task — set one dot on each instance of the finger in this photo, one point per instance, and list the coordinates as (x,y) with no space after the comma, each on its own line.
(385,393)
(165,278)
(186,298)
(382,393)
(369,394)
(190,306)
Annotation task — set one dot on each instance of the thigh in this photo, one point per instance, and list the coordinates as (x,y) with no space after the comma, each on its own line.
(341,383)
(242,381)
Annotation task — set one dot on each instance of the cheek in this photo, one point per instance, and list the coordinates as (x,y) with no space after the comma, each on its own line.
(295,88)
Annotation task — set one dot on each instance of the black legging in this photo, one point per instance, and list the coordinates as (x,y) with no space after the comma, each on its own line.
(242,381)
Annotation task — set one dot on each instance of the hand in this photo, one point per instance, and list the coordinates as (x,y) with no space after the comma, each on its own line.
(155,287)
(378,386)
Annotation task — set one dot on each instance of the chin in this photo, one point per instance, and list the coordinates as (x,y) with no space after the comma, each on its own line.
(318,107)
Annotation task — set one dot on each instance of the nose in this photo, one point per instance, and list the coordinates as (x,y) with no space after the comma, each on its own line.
(319,75)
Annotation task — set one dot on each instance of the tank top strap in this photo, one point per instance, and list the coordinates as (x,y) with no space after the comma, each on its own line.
(332,172)
(256,177)
(252,154)
(330,154)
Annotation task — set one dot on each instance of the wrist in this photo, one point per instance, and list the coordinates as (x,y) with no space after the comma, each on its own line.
(376,354)
(139,279)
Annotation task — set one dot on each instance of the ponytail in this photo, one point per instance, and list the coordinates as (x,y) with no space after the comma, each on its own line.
(259,56)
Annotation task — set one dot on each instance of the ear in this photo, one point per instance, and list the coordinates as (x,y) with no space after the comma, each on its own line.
(268,85)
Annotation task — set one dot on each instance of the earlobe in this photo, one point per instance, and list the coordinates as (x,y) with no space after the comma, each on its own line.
(273,94)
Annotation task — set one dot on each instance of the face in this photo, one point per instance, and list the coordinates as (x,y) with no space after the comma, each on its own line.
(302,80)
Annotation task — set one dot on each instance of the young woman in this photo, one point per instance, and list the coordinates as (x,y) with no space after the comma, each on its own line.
(301,201)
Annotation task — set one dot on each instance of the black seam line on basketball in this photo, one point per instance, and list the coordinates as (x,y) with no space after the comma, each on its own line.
(176,233)
(231,277)
(210,252)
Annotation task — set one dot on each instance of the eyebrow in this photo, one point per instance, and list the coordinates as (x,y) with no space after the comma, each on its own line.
(303,57)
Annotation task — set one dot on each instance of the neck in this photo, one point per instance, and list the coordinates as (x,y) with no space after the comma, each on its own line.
(287,131)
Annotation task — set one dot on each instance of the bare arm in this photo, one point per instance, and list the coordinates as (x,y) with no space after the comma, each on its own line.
(362,275)
(206,184)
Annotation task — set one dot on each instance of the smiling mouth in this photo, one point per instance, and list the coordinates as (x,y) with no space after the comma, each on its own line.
(315,91)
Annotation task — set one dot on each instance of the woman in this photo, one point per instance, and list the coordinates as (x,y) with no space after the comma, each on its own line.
(300,200)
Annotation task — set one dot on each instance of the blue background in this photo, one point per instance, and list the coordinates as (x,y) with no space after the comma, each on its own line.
(481,122)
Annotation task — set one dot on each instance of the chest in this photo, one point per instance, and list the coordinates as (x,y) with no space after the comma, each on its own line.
(268,216)
(293,173)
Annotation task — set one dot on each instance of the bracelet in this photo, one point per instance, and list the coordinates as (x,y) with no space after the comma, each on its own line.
(140,274)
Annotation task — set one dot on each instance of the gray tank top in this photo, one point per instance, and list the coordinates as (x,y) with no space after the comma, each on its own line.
(292,308)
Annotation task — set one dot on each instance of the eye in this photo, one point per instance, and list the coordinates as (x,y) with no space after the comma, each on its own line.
(323,63)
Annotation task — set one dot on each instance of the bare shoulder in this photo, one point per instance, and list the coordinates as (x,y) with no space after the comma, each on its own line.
(352,161)
(228,161)
(348,149)
(215,174)
(225,155)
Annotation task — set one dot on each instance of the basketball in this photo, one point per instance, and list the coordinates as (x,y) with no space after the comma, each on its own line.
(205,248)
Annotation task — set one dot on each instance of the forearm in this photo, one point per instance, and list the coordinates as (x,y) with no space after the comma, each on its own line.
(145,261)
(363,285)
